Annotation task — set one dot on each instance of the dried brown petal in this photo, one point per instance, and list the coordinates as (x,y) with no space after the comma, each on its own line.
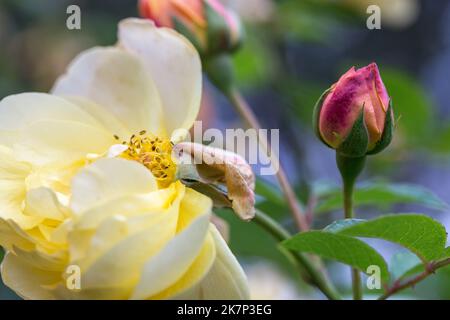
(217,166)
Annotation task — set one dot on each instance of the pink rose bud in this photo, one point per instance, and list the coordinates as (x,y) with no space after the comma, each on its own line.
(355,115)
(211,27)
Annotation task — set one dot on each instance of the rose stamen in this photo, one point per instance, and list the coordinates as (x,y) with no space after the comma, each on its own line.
(154,153)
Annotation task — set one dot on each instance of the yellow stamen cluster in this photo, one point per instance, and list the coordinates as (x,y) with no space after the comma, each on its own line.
(154,153)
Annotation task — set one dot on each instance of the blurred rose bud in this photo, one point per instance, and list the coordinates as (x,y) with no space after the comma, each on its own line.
(355,115)
(211,27)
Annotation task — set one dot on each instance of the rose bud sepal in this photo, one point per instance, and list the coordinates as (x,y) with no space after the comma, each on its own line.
(220,72)
(350,168)
(221,37)
(388,131)
(185,31)
(316,116)
(351,154)
(356,143)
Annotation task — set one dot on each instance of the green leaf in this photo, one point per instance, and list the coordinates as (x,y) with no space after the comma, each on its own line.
(380,194)
(412,268)
(314,20)
(446,253)
(421,234)
(338,225)
(441,140)
(412,105)
(403,264)
(345,249)
(418,268)
(254,62)
(269,192)
(264,249)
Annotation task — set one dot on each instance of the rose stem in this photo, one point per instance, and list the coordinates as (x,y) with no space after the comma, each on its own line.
(247,114)
(350,168)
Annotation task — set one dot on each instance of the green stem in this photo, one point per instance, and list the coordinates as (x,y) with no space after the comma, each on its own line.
(220,72)
(348,211)
(429,270)
(348,200)
(350,168)
(247,114)
(300,261)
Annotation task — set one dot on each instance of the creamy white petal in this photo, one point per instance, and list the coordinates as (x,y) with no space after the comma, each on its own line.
(104,116)
(173,260)
(19,111)
(196,272)
(174,65)
(13,189)
(55,262)
(61,142)
(107,179)
(119,265)
(10,168)
(117,81)
(12,235)
(26,280)
(42,202)
(149,207)
(225,281)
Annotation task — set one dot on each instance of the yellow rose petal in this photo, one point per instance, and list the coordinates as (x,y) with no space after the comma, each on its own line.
(174,65)
(107,179)
(173,260)
(26,280)
(117,81)
(21,110)
(225,281)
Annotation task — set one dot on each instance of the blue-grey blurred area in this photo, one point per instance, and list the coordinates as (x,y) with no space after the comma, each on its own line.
(293,51)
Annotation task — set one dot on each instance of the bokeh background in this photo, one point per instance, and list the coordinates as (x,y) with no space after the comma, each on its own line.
(294,50)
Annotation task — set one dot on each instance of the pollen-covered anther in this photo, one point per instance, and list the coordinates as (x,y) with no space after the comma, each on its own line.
(154,153)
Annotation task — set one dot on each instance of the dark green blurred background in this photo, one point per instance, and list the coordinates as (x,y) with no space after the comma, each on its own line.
(294,50)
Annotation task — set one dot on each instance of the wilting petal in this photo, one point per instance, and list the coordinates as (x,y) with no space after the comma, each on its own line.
(117,81)
(219,166)
(174,65)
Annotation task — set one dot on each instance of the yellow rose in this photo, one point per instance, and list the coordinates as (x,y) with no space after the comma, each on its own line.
(87,182)
(129,239)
